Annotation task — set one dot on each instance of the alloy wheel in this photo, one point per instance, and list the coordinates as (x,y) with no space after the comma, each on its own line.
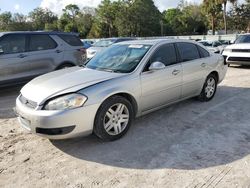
(116,119)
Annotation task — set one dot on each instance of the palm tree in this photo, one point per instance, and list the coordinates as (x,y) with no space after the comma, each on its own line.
(224,3)
(212,8)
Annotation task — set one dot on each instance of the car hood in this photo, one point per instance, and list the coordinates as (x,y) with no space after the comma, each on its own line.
(239,46)
(63,81)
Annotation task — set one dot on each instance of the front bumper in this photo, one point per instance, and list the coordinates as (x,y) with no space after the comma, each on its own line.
(237,58)
(57,124)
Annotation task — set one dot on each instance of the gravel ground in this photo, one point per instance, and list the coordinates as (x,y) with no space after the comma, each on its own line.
(189,144)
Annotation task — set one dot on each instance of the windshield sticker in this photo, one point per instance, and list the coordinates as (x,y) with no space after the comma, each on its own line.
(135,46)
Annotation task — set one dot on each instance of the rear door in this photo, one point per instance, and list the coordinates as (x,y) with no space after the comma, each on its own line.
(162,86)
(194,68)
(13,58)
(45,54)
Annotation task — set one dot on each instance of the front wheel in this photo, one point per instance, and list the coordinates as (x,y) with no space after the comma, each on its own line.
(113,118)
(209,88)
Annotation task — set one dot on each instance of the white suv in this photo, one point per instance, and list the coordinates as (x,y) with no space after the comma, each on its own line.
(238,53)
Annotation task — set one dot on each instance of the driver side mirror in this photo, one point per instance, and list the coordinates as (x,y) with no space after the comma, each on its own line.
(156,66)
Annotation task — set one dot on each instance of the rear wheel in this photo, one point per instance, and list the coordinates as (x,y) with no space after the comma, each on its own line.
(113,118)
(209,88)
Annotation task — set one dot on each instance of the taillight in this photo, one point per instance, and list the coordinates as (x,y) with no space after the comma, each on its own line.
(83,50)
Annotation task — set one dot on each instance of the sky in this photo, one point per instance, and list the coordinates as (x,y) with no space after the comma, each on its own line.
(25,6)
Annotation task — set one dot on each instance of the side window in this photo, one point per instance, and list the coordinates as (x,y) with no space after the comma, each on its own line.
(41,42)
(203,52)
(11,44)
(71,40)
(165,54)
(188,51)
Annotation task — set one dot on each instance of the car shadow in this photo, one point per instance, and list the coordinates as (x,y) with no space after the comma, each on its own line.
(8,97)
(187,135)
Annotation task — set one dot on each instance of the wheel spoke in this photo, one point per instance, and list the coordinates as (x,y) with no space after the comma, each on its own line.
(119,127)
(109,125)
(116,129)
(110,113)
(120,108)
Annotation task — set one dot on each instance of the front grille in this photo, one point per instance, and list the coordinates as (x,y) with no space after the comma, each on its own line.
(241,50)
(239,59)
(27,102)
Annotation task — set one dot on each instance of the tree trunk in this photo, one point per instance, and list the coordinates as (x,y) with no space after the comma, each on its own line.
(225,16)
(213,24)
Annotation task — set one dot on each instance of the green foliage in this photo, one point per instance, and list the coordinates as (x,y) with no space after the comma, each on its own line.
(139,18)
(239,17)
(212,8)
(40,17)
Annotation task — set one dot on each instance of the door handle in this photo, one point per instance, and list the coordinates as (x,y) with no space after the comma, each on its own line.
(203,65)
(22,56)
(175,72)
(58,51)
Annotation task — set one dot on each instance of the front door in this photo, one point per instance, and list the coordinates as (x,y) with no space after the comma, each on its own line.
(13,58)
(163,86)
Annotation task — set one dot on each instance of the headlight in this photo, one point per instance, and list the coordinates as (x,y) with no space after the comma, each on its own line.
(65,102)
(227,50)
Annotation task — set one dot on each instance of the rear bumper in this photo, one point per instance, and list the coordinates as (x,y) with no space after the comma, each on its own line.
(57,124)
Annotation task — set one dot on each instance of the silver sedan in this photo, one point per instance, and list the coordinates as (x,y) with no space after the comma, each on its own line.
(125,81)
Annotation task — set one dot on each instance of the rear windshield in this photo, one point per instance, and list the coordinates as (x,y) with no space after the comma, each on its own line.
(71,40)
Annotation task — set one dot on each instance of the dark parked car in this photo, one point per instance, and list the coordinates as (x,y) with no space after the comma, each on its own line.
(25,55)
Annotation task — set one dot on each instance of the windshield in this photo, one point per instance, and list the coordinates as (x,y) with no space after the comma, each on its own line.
(122,58)
(205,43)
(104,43)
(243,39)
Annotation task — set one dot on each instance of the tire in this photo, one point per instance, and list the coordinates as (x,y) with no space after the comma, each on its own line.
(209,89)
(109,125)
(65,66)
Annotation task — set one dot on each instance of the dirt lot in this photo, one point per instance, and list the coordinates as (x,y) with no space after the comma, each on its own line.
(190,144)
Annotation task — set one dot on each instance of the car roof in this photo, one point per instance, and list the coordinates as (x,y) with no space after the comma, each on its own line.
(118,38)
(155,41)
(38,32)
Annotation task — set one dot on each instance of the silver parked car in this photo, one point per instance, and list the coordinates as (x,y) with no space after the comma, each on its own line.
(127,80)
(25,55)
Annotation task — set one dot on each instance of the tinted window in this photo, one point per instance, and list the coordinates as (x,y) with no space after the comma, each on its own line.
(243,39)
(165,54)
(12,44)
(41,42)
(188,51)
(203,52)
(71,40)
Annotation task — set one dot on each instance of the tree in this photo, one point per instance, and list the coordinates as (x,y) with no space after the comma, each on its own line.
(19,23)
(138,18)
(224,3)
(40,17)
(5,20)
(212,8)
(105,18)
(68,21)
(239,17)
(172,21)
